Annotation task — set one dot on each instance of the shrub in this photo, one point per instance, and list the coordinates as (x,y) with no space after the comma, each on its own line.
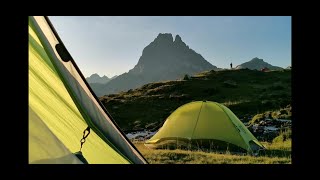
(256,119)
(283,136)
(186,77)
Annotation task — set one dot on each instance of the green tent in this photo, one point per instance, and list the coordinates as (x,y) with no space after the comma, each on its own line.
(204,124)
(63,110)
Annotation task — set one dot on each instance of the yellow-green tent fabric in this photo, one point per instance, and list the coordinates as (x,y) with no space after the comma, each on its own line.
(62,105)
(204,123)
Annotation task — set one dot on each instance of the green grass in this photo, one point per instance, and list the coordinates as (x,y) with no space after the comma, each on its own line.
(277,148)
(276,153)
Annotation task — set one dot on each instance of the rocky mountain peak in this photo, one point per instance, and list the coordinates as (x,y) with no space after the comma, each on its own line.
(164,37)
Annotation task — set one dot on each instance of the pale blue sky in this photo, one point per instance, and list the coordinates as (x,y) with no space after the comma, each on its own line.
(112,45)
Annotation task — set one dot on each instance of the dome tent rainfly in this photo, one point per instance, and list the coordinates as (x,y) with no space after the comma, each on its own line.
(204,124)
(63,108)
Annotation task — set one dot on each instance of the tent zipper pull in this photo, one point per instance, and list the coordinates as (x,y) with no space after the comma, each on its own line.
(83,140)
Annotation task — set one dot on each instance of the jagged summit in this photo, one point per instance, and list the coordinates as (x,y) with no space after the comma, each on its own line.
(163,37)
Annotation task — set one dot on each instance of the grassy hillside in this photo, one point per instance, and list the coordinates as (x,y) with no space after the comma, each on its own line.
(245,92)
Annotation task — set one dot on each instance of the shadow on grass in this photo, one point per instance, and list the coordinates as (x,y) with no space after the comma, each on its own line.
(177,156)
(275,153)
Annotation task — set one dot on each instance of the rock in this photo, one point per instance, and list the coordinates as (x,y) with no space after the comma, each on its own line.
(268,129)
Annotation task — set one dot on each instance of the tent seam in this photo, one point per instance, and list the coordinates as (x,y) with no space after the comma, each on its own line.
(197,121)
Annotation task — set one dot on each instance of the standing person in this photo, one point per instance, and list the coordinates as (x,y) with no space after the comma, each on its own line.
(231,65)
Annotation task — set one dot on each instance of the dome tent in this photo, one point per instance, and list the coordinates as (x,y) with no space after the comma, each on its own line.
(204,124)
(63,110)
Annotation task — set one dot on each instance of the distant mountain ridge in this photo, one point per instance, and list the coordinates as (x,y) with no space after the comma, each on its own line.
(163,59)
(95,78)
(257,64)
